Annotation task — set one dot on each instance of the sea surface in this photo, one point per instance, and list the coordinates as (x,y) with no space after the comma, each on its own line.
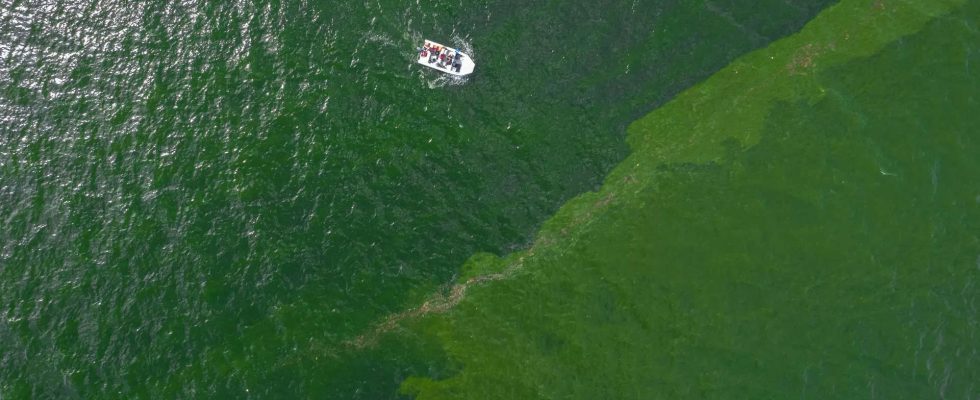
(218,199)
(803,224)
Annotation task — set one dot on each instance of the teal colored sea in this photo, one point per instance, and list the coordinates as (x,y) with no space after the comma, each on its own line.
(254,199)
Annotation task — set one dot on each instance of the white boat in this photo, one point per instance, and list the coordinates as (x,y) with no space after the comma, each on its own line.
(445,59)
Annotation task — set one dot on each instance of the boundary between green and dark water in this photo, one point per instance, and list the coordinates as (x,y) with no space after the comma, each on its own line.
(702,124)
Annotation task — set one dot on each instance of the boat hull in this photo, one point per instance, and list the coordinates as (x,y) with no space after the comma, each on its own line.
(445,59)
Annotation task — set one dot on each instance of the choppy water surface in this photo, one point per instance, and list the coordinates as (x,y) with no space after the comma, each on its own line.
(206,198)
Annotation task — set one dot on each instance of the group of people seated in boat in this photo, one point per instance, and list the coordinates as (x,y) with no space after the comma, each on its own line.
(443,57)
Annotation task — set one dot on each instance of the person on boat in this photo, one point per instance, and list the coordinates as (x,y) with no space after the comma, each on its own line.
(433,54)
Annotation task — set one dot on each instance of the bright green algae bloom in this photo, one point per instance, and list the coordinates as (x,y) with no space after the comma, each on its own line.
(803,224)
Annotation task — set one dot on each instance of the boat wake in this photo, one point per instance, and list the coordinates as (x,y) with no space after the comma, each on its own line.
(445,80)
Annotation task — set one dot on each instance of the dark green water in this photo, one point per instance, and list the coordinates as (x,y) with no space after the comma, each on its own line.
(207,198)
